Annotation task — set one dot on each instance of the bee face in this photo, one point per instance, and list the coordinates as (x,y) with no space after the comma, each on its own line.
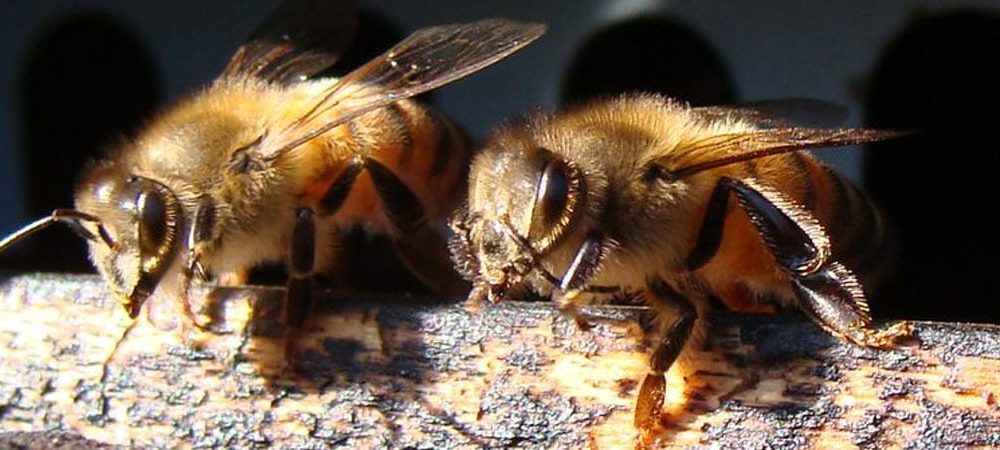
(139,219)
(523,204)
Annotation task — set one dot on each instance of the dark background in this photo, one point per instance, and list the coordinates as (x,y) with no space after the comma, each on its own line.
(73,78)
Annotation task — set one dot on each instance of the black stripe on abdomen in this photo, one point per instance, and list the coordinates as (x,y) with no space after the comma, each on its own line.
(401,125)
(856,229)
(804,166)
(448,140)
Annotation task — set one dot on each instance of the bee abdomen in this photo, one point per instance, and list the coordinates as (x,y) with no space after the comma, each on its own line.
(428,152)
(451,146)
(400,124)
(858,231)
(427,143)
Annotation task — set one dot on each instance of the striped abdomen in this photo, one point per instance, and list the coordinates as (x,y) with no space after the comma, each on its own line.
(427,152)
(859,234)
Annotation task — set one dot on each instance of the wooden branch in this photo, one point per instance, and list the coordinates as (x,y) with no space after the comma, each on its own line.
(414,373)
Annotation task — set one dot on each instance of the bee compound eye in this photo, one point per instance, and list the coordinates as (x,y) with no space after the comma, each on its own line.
(553,193)
(561,190)
(153,221)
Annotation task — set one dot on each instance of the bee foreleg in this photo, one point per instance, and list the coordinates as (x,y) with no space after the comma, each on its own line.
(586,264)
(580,273)
(826,290)
(298,292)
(669,343)
(424,251)
(200,236)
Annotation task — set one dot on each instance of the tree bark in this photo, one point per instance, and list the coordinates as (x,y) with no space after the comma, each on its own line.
(424,373)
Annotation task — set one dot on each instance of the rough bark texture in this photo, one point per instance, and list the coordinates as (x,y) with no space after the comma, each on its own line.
(414,373)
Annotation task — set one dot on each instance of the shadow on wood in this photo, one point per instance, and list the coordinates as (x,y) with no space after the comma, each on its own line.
(419,373)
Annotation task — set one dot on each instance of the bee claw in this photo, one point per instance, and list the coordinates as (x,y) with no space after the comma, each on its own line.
(571,310)
(889,337)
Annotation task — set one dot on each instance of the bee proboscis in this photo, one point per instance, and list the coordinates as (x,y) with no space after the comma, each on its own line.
(644,194)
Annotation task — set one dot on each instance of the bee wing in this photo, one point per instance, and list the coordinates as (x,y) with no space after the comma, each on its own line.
(725,149)
(779,113)
(298,40)
(428,58)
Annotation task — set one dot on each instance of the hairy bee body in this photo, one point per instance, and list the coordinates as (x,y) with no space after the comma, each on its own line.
(205,146)
(267,162)
(643,194)
(612,142)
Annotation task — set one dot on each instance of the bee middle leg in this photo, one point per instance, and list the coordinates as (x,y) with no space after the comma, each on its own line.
(298,291)
(668,345)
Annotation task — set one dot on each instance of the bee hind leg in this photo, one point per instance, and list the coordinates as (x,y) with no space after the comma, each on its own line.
(422,250)
(668,345)
(833,297)
(826,290)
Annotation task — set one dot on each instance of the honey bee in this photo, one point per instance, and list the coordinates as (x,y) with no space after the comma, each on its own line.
(263,164)
(635,194)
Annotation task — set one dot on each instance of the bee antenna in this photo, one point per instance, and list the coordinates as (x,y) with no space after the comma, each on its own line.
(70,217)
(526,246)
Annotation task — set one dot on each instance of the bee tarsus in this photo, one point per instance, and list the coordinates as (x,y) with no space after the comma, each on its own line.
(667,345)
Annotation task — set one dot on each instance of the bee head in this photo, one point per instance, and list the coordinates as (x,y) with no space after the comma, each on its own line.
(522,204)
(136,231)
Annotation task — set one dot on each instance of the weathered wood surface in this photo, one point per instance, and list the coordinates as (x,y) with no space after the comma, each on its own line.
(409,373)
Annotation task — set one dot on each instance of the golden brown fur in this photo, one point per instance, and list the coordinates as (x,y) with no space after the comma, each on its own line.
(641,171)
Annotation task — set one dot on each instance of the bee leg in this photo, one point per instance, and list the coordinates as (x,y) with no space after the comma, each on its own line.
(833,298)
(298,291)
(570,309)
(586,263)
(424,251)
(199,238)
(669,344)
(580,273)
(827,291)
(335,196)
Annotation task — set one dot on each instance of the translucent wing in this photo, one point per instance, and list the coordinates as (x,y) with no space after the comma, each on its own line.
(725,149)
(425,60)
(780,113)
(298,40)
